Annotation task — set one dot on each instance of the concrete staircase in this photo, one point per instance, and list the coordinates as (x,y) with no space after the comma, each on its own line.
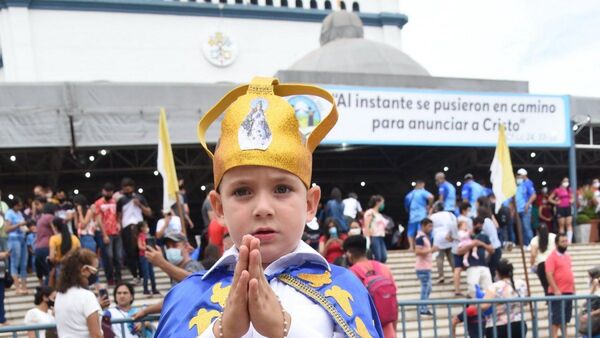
(402,266)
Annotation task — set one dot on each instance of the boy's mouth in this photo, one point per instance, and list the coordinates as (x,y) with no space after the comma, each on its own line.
(263,231)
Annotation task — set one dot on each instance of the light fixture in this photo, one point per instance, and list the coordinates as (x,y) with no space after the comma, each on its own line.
(203,188)
(532,154)
(92,158)
(458,184)
(155,172)
(540,169)
(362,184)
(88,174)
(314,184)
(13,158)
(76,191)
(103,152)
(413,183)
(575,127)
(11,197)
(544,183)
(344,145)
(140,190)
(446,168)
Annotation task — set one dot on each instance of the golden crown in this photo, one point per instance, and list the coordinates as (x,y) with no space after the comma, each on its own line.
(260,128)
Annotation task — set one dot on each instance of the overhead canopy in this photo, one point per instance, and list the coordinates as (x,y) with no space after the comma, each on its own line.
(126,114)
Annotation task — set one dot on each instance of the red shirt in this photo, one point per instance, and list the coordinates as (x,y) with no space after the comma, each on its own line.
(108,213)
(216,231)
(334,249)
(559,265)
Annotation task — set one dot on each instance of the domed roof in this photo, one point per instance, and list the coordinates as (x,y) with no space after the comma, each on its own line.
(343,49)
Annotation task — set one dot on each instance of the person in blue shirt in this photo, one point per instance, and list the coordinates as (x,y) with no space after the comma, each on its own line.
(334,208)
(524,199)
(16,228)
(417,203)
(447,192)
(471,191)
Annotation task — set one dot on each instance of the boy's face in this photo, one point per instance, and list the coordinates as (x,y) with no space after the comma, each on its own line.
(270,204)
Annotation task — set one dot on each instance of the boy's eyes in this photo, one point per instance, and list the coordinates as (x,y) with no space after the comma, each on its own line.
(282,189)
(279,189)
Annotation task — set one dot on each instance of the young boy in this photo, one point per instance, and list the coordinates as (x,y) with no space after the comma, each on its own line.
(270,284)
(424,261)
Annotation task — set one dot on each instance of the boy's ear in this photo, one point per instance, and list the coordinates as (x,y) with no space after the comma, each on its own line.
(216,203)
(313,196)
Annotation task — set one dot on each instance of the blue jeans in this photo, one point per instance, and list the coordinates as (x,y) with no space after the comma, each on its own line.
(147,273)
(425,278)
(378,248)
(526,224)
(18,256)
(88,242)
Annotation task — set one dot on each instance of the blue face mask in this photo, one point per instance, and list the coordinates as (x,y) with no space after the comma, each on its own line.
(333,232)
(174,256)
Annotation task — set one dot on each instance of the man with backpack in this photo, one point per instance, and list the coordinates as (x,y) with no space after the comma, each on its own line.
(378,280)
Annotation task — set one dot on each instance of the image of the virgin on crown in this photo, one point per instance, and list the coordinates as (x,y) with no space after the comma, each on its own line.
(254,132)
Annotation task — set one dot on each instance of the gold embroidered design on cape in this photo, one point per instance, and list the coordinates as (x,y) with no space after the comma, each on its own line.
(316,280)
(342,297)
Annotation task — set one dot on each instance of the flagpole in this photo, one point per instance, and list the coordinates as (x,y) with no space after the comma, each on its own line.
(181,213)
(520,239)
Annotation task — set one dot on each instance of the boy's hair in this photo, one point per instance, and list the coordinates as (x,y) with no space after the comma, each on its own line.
(356,245)
(426,221)
(108,186)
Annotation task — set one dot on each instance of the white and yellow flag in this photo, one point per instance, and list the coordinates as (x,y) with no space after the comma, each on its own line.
(166,164)
(502,177)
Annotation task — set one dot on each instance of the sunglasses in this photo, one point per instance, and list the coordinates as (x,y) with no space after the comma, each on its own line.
(92,269)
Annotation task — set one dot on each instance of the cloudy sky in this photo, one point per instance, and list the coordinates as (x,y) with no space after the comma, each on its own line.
(553,44)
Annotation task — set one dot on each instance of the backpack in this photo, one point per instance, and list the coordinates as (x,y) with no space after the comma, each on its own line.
(381,289)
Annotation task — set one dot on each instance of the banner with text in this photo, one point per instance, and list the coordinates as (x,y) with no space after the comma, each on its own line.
(390,116)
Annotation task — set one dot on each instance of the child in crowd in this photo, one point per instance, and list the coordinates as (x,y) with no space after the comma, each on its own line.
(30,240)
(143,232)
(464,236)
(271,283)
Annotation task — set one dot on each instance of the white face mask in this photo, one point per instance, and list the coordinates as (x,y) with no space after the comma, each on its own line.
(565,184)
(354,231)
(596,184)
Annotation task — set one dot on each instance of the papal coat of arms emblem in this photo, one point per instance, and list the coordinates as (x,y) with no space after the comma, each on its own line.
(220,50)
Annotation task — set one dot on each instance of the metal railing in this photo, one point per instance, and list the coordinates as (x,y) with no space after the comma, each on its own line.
(529,309)
(15,329)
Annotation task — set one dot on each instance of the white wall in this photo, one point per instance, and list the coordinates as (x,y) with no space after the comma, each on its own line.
(50,45)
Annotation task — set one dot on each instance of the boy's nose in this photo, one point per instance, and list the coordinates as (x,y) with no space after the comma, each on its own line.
(263,207)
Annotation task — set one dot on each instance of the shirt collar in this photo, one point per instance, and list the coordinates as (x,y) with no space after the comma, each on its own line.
(302,254)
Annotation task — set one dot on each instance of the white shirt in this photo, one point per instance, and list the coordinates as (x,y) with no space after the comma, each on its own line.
(37,316)
(542,256)
(443,222)
(116,313)
(489,229)
(173,226)
(132,214)
(308,319)
(351,207)
(72,309)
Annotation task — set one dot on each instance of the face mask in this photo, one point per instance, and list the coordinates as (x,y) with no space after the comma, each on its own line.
(565,184)
(107,198)
(561,249)
(354,231)
(333,232)
(174,256)
(477,230)
(519,180)
(382,206)
(50,303)
(596,184)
